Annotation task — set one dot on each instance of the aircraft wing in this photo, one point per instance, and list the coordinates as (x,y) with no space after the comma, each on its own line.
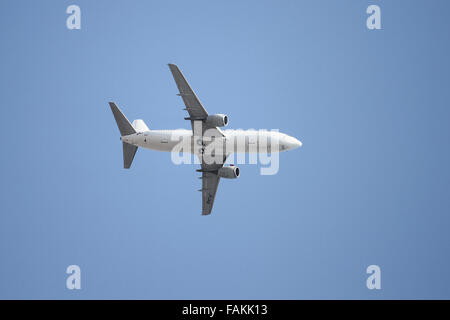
(210,182)
(193,105)
(197,113)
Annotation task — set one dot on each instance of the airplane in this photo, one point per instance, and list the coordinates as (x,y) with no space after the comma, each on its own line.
(205,135)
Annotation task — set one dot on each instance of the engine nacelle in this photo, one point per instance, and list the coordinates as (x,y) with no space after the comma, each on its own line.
(217,120)
(229,172)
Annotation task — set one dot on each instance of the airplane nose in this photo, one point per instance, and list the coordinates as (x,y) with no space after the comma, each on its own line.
(294,143)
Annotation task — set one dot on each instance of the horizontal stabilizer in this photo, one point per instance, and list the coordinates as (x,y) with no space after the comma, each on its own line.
(124,125)
(128,154)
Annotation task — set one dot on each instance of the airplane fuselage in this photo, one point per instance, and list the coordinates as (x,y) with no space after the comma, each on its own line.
(235,141)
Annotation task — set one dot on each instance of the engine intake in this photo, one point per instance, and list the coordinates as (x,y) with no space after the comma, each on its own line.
(229,172)
(217,120)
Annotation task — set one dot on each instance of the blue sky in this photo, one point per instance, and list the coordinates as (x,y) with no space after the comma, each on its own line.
(369,186)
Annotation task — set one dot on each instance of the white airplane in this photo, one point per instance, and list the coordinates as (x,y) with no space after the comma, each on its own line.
(211,144)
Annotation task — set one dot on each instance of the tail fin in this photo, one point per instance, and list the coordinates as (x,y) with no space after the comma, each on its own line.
(140,126)
(125,129)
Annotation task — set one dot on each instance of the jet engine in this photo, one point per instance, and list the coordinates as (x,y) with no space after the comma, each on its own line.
(217,120)
(229,172)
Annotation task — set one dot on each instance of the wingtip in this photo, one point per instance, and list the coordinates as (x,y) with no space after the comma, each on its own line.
(206,212)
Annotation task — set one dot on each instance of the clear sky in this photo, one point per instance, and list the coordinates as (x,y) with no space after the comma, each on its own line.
(369,186)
